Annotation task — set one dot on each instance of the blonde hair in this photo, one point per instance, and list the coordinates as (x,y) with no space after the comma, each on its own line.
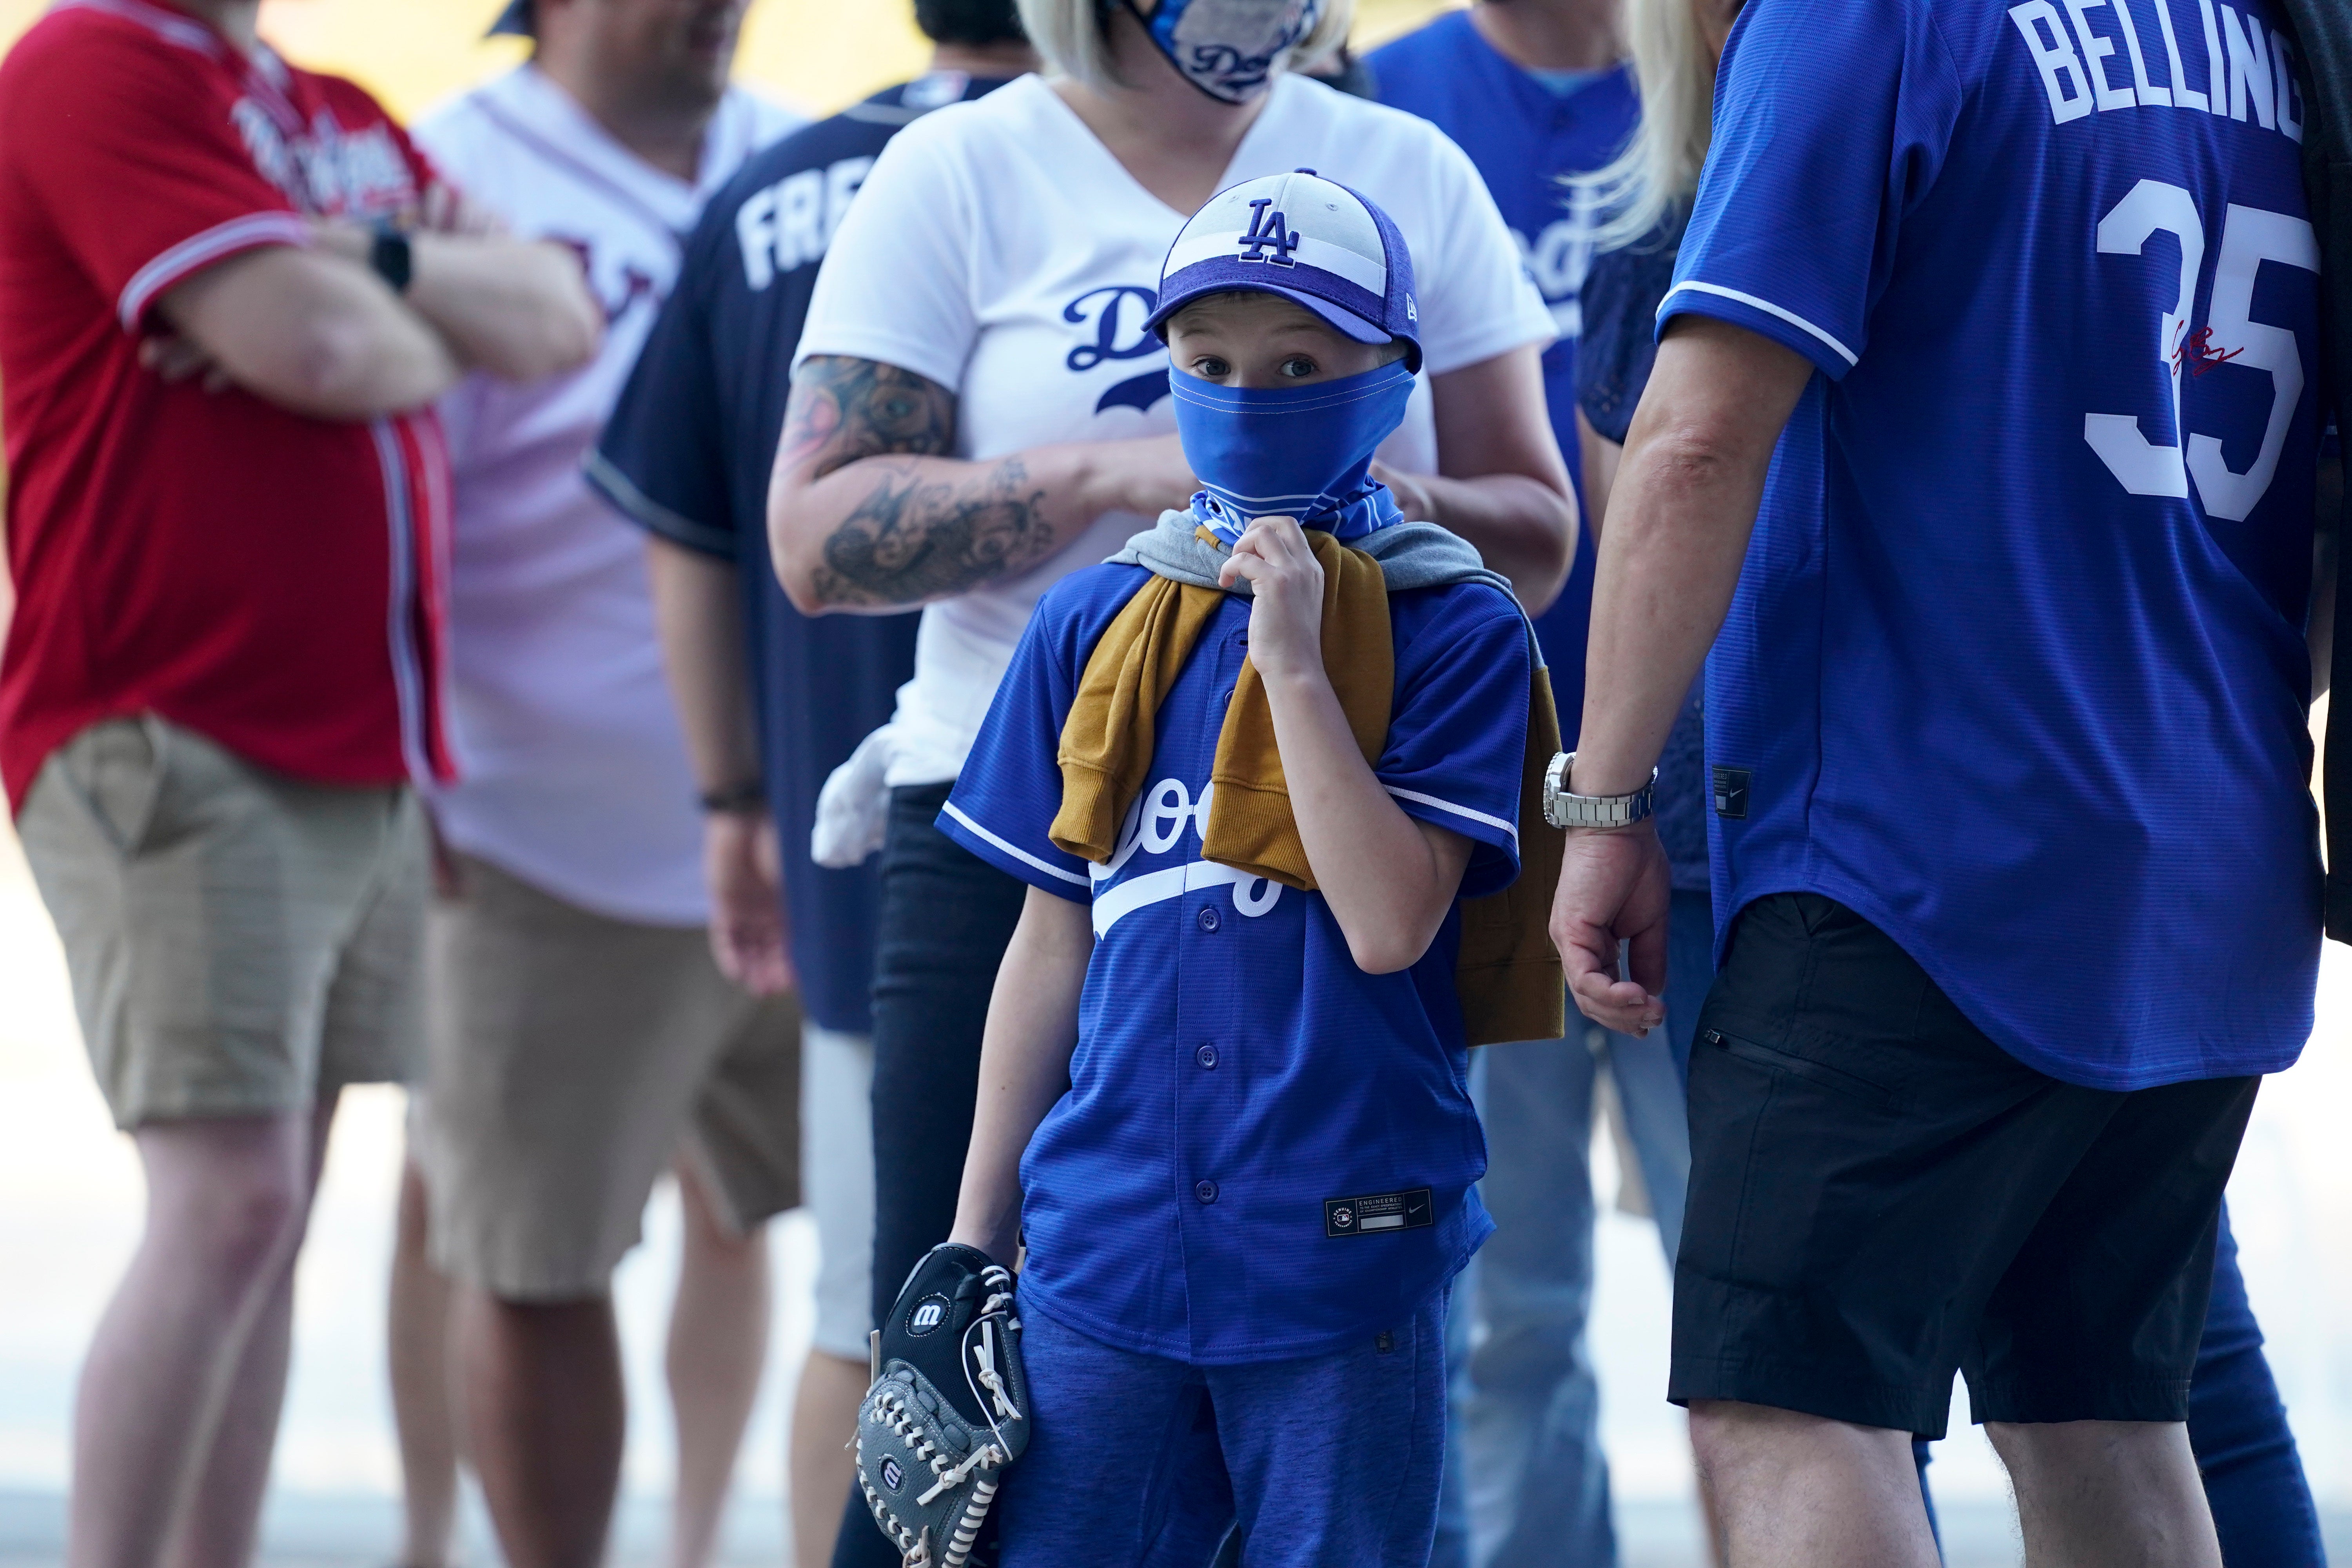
(1657,174)
(1068,37)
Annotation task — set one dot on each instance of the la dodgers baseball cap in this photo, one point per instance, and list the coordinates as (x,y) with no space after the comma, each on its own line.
(1306,238)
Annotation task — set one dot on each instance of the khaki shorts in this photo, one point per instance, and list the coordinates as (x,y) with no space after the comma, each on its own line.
(241,943)
(574,1056)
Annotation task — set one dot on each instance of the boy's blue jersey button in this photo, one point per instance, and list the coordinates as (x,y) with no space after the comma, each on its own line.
(1207,918)
(1205,1191)
(1207,1055)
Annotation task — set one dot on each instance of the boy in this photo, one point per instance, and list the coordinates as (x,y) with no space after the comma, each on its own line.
(1244,1213)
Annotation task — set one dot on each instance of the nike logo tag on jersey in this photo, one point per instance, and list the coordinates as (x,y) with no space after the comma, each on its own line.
(1732,793)
(1378,1212)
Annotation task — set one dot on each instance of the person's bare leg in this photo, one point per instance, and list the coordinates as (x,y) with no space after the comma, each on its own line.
(219,1527)
(1799,1491)
(225,1202)
(544,1415)
(718,1349)
(422,1410)
(2107,1494)
(825,1414)
(1710,1512)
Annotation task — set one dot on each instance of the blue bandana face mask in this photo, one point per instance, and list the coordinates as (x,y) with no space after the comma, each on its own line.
(1228,48)
(1291,451)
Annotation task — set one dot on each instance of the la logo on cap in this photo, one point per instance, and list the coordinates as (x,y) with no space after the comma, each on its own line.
(1268,228)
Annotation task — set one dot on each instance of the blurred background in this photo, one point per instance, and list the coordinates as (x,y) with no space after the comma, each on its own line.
(70,1195)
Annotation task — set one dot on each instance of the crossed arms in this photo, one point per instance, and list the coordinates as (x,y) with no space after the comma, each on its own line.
(314,330)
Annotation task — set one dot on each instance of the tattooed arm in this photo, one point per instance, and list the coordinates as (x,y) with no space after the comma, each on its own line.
(866,514)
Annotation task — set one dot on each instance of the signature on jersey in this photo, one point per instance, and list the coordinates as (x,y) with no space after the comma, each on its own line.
(2196,352)
(1117,313)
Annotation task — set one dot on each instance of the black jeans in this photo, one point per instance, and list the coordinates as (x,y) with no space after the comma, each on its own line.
(947,918)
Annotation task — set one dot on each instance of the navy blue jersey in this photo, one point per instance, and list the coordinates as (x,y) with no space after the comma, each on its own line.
(686,455)
(1264,1150)
(2016,665)
(1525,138)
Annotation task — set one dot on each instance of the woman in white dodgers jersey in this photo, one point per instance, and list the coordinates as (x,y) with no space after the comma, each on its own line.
(978,409)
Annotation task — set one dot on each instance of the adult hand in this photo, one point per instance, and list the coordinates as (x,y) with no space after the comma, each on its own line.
(1613,888)
(445,209)
(1149,475)
(1286,628)
(744,869)
(175,357)
(1413,497)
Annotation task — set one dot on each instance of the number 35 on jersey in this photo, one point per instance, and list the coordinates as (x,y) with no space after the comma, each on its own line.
(2247,75)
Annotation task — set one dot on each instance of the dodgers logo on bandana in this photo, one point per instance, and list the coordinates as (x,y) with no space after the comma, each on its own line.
(1228,48)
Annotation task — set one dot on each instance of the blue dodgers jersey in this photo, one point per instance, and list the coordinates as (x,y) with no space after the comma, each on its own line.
(1264,1150)
(686,455)
(1526,140)
(2015,669)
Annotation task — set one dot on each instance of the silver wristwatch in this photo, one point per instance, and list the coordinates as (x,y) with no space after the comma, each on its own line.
(1563,809)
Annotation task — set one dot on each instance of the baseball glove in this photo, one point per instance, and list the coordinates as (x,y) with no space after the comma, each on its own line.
(948,1408)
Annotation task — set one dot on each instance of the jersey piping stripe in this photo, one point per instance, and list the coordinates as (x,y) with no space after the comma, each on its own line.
(407,675)
(1420,799)
(199,251)
(164,24)
(1765,306)
(1159,887)
(607,481)
(1013,849)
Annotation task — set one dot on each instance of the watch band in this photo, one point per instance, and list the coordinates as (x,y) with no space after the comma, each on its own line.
(751,794)
(1563,809)
(392,258)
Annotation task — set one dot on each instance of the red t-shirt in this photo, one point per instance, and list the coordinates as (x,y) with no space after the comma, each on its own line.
(272,581)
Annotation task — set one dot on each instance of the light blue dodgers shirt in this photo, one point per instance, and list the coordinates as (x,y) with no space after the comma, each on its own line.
(1265,1151)
(2016,666)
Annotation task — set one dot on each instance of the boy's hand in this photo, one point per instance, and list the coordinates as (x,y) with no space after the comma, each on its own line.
(1285,629)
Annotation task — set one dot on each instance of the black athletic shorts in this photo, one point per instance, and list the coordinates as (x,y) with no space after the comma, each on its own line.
(1879,1194)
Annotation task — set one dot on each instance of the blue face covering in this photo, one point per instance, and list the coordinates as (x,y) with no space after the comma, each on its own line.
(1228,48)
(1291,451)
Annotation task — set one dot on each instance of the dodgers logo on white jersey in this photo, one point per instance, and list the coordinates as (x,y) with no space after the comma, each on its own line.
(1117,313)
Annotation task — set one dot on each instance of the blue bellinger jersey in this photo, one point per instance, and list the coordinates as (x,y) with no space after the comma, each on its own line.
(1526,139)
(1265,1151)
(2015,669)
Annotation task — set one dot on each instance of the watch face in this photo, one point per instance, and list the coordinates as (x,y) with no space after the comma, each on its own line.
(392,258)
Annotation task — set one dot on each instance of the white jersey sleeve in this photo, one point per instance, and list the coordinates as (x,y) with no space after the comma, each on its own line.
(898,283)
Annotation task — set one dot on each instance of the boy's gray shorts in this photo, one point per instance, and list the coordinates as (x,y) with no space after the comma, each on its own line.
(240,942)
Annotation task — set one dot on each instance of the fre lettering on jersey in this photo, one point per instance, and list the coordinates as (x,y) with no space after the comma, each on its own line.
(2245,69)
(790,223)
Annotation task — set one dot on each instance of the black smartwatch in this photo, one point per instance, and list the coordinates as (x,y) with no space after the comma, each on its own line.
(392,259)
(749,796)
